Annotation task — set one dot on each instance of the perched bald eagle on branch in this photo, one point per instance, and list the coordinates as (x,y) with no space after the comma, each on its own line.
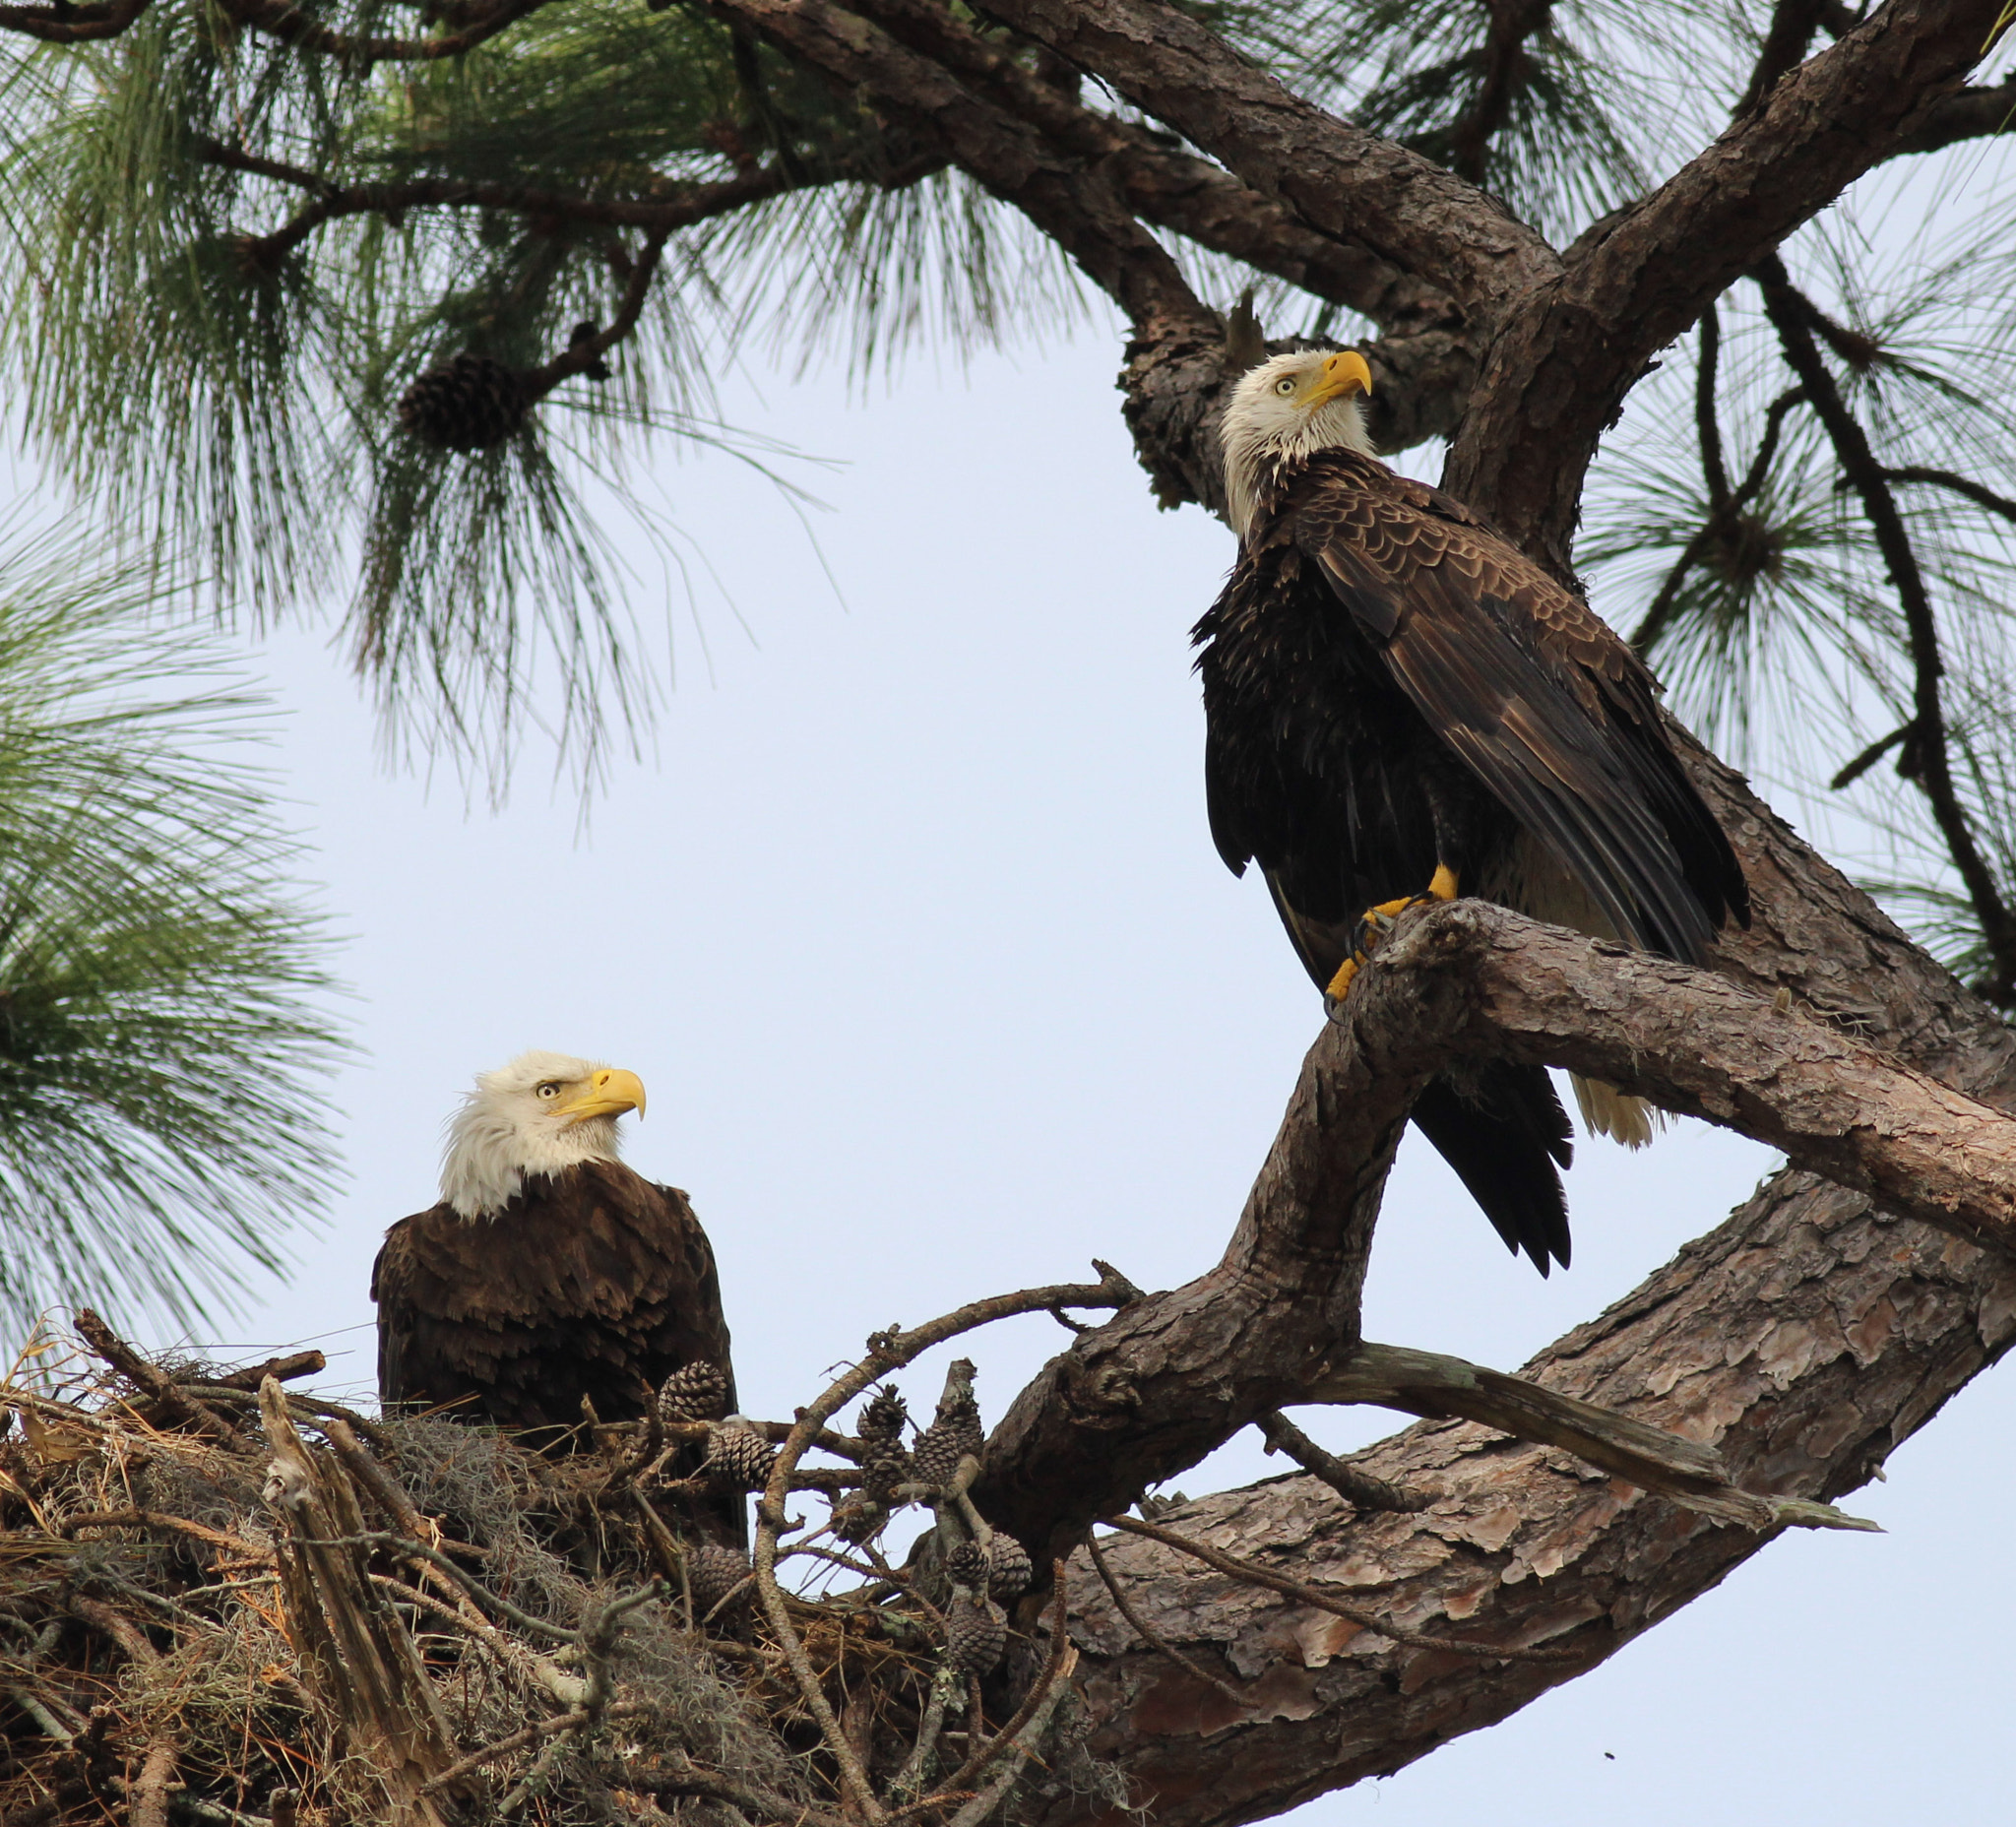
(549,1271)
(1402,706)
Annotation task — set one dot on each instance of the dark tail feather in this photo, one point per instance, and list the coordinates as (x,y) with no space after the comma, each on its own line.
(1507,1137)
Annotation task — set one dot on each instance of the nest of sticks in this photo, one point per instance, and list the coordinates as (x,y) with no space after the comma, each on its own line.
(222,1601)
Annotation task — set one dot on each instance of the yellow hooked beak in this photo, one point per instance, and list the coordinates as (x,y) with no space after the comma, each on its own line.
(1344,373)
(609,1092)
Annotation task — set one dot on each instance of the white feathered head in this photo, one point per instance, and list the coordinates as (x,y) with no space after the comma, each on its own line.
(540,1113)
(1289,407)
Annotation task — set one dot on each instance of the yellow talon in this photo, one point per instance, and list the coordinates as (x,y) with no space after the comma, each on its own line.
(1376,923)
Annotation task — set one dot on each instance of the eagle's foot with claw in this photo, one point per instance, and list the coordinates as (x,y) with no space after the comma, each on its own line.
(1373,926)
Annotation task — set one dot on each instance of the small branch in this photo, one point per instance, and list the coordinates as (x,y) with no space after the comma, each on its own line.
(1959,484)
(291,25)
(1146,1632)
(281,1369)
(172,1398)
(1360,1489)
(72,25)
(150,1800)
(1513,22)
(1253,1574)
(1695,1477)
(1660,615)
(1022,1742)
(1056,1666)
(1793,25)
(887,1352)
(1855,770)
(1713,470)
(1793,317)
(1967,114)
(683,208)
(156,1519)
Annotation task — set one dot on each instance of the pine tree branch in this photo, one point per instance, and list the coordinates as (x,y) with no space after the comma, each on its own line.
(1251,1573)
(281,20)
(1076,206)
(1513,22)
(1959,484)
(1967,115)
(1707,428)
(72,25)
(1793,25)
(1561,370)
(682,207)
(1658,617)
(1792,317)
(1343,181)
(1170,187)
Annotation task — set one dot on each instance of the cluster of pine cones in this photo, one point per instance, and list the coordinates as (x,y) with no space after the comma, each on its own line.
(985,1574)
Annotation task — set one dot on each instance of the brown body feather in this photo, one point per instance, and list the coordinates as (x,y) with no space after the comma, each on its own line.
(593,1282)
(1390,686)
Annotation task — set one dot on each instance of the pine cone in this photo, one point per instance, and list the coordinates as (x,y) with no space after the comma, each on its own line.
(697,1392)
(967,1565)
(975,1636)
(737,1456)
(884,1463)
(469,404)
(711,1573)
(1009,1568)
(947,1441)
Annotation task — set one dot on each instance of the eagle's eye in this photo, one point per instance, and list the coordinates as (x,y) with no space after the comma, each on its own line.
(1284,386)
(551,1088)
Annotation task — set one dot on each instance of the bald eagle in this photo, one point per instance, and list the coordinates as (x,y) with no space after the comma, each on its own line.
(1400,704)
(549,1271)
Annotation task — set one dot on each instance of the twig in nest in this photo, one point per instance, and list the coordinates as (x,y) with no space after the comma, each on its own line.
(1022,1742)
(1148,1635)
(1253,1574)
(1360,1489)
(150,1798)
(155,1519)
(281,1369)
(523,1739)
(401,1545)
(154,1382)
(1055,1666)
(917,1767)
(310,1409)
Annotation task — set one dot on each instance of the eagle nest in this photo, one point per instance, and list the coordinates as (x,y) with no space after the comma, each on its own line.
(221,1602)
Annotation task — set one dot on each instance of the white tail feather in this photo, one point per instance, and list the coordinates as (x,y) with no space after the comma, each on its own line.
(1609,1111)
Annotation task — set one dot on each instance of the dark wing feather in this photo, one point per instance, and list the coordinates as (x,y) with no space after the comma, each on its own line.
(1543,704)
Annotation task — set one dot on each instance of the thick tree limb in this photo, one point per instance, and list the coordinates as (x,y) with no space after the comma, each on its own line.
(1076,207)
(1340,179)
(1568,354)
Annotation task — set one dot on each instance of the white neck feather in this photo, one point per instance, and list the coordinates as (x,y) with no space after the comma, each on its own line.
(490,1155)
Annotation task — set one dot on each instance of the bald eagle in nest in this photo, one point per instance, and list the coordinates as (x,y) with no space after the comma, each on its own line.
(549,1271)
(1402,706)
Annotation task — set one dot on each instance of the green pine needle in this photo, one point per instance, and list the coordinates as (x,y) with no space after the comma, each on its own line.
(162,993)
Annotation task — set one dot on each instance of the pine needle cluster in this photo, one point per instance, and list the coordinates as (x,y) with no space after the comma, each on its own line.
(165,1006)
